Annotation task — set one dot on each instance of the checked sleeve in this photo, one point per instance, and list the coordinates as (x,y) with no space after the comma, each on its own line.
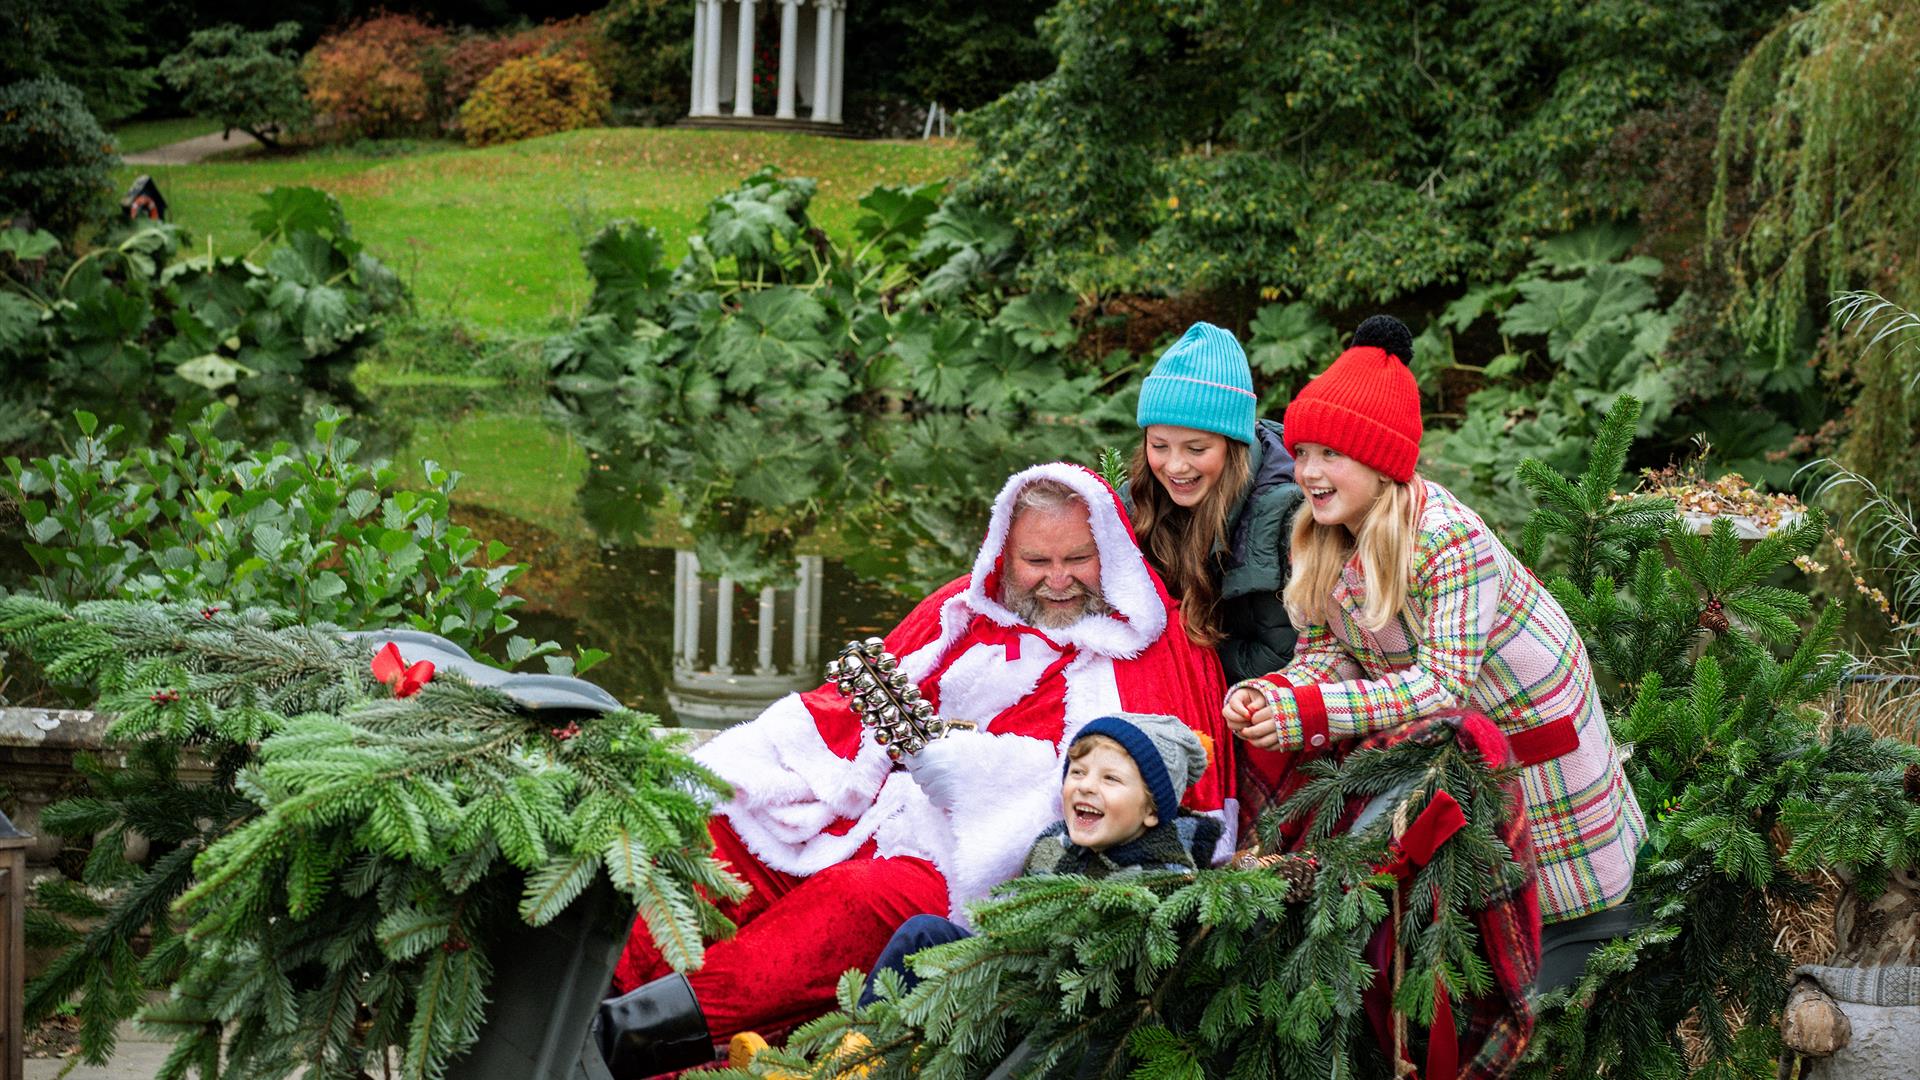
(1459,581)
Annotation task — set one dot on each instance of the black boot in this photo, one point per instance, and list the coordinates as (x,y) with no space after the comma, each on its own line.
(654,1028)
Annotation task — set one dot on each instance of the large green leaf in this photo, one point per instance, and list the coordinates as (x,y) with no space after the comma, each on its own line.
(625,262)
(27,246)
(937,359)
(1040,321)
(1289,340)
(19,320)
(291,210)
(898,213)
(1587,247)
(1566,311)
(775,331)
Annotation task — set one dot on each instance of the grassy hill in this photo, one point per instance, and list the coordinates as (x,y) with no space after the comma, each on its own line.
(491,237)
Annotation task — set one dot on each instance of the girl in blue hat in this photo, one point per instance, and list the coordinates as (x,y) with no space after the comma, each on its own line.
(1212,497)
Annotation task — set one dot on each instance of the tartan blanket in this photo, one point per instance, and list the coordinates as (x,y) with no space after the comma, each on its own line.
(1497,1025)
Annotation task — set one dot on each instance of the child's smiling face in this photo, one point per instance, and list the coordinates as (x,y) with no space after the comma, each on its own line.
(1103,798)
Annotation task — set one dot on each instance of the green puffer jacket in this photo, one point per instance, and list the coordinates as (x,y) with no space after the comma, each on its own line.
(1252,563)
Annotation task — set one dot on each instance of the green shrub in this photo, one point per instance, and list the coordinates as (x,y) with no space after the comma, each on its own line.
(244,80)
(200,519)
(533,96)
(55,161)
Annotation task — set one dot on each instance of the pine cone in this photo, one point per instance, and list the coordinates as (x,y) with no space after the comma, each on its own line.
(1714,618)
(1911,783)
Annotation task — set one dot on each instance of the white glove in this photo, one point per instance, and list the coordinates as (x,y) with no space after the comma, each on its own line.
(946,767)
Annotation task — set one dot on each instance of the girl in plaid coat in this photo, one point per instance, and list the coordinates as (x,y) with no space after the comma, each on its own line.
(1408,605)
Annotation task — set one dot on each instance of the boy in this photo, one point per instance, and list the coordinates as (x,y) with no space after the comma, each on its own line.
(1120,772)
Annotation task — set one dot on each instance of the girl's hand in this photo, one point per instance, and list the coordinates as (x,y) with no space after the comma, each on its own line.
(1265,734)
(1245,706)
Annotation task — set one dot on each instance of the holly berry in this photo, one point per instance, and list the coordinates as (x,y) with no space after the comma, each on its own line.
(164,697)
(208,613)
(565,733)
(1714,618)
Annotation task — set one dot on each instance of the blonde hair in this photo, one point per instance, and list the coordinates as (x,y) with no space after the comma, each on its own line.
(1178,542)
(1087,744)
(1384,544)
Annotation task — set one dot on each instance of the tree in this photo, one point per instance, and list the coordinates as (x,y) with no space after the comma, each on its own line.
(245,80)
(57,162)
(1299,146)
(91,45)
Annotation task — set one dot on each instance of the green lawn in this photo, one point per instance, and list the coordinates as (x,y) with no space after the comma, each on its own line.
(146,134)
(492,237)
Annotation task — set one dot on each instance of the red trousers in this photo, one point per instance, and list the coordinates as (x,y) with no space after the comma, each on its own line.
(797,935)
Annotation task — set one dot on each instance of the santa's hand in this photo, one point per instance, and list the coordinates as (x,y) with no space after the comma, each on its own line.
(1244,707)
(945,767)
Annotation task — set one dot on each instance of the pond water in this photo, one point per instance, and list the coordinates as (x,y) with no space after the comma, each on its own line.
(720,560)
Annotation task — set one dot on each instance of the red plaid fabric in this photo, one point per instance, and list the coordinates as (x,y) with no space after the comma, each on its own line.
(1499,1024)
(1479,633)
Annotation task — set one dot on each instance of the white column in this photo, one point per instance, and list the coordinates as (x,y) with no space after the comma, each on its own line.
(723,629)
(699,73)
(789,48)
(839,58)
(823,62)
(813,613)
(710,70)
(743,64)
(764,656)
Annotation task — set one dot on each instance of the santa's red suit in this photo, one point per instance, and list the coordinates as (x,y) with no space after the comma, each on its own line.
(841,847)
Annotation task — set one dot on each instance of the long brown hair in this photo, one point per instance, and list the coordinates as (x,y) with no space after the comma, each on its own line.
(1179,542)
(1384,544)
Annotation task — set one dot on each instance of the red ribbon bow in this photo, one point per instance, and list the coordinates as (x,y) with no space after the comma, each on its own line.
(404,680)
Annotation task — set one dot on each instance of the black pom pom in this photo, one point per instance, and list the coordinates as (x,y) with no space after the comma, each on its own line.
(1387,333)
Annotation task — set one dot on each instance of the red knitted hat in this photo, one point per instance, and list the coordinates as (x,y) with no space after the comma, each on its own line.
(1366,404)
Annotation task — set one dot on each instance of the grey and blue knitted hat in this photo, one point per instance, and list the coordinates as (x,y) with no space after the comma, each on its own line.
(1202,381)
(1170,756)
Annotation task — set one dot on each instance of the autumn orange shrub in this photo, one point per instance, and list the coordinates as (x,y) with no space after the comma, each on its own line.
(377,77)
(475,56)
(534,95)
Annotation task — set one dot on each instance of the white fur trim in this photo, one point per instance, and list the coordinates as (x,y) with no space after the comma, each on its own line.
(982,683)
(1124,579)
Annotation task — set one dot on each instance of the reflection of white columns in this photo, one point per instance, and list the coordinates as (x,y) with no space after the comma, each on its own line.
(839,59)
(679,605)
(723,628)
(687,570)
(699,62)
(764,655)
(803,610)
(823,62)
(743,65)
(789,57)
(709,47)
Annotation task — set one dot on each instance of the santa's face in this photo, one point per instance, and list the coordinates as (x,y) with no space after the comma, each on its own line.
(1050,576)
(1104,799)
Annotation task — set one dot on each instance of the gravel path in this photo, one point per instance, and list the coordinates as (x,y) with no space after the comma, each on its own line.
(191,150)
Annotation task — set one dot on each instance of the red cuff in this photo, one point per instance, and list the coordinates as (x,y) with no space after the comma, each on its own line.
(1312,709)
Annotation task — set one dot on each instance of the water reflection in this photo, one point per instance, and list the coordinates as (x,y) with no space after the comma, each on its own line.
(717,555)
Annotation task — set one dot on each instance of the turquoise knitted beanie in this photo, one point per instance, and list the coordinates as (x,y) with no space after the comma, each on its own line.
(1202,382)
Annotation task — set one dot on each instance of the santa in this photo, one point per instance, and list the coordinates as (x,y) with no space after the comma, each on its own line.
(1060,622)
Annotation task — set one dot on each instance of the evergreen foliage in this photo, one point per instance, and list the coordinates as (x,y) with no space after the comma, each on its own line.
(1230,972)
(94,46)
(338,887)
(1725,696)
(1334,155)
(55,161)
(245,80)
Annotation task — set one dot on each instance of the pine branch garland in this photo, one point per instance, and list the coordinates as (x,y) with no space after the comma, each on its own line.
(332,893)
